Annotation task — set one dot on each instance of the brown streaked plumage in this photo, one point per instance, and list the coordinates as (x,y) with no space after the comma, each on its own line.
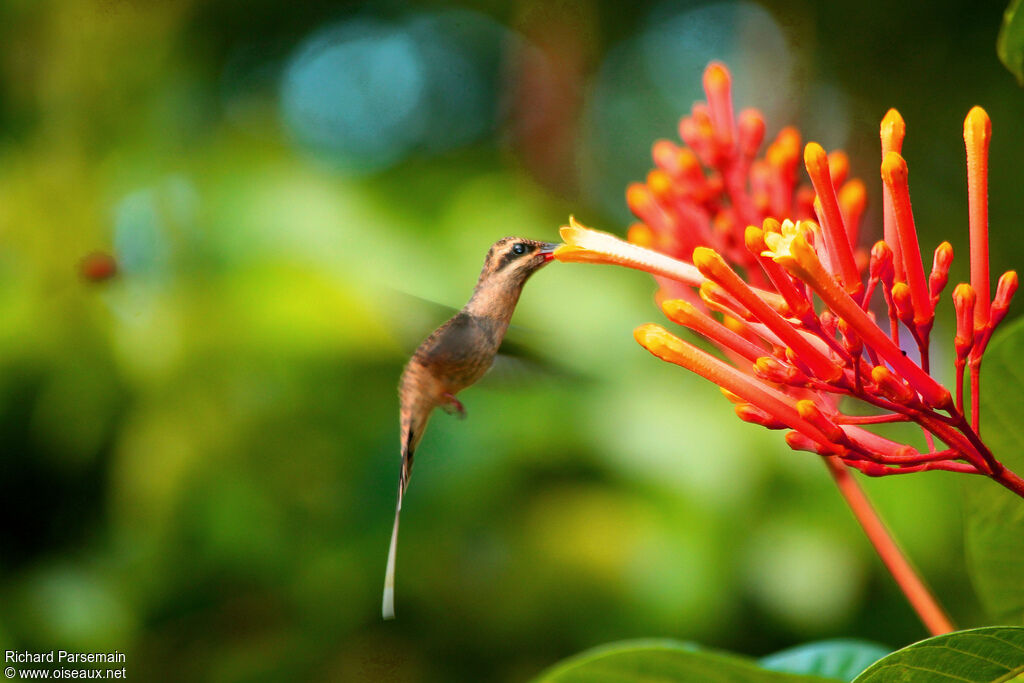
(456,355)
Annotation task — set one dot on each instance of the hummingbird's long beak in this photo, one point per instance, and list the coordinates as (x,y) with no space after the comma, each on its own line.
(548,249)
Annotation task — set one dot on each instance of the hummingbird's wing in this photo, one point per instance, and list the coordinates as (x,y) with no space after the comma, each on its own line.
(518,362)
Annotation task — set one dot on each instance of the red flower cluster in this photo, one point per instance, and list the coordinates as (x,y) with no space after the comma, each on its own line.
(769,271)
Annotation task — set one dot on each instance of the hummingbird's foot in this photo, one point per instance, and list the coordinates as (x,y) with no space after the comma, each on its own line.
(453,406)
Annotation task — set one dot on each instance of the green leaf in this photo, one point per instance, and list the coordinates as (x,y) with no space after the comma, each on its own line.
(841,659)
(662,660)
(994,516)
(994,654)
(1010,43)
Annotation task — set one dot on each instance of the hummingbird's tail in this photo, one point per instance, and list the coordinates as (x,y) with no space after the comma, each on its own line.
(388,607)
(408,445)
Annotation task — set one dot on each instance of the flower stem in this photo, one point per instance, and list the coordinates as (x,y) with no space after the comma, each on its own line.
(924,603)
(1010,481)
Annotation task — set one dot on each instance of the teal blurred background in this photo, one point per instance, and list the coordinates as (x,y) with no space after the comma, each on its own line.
(201,452)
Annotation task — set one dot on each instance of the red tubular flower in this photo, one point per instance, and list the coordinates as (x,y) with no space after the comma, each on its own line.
(740,238)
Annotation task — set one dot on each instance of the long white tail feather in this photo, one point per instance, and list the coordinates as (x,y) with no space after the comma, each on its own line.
(388,608)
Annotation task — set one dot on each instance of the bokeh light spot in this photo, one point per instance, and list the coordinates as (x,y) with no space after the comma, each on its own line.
(352,91)
(366,93)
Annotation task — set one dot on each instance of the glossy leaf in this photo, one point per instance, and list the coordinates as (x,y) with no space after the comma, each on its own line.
(662,660)
(841,659)
(994,654)
(1010,44)
(994,528)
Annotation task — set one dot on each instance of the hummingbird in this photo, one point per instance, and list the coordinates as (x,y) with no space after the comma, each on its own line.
(456,355)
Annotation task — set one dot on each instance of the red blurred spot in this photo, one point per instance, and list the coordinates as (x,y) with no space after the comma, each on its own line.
(98,266)
(545,90)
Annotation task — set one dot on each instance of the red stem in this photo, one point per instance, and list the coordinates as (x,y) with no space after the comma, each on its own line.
(959,369)
(924,603)
(875,469)
(869,419)
(1010,481)
(975,368)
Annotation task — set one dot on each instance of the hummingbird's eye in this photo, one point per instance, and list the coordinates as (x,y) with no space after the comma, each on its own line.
(519,248)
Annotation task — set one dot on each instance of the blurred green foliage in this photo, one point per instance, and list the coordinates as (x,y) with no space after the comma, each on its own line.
(200,454)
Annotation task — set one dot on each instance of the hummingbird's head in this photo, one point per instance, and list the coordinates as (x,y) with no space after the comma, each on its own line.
(513,259)
(508,265)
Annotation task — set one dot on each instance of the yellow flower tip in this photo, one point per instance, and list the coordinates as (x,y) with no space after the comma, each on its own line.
(807,409)
(659,182)
(665,153)
(839,166)
(566,252)
(893,120)
(641,235)
(781,244)
(771,225)
(717,78)
(853,196)
(754,415)
(751,127)
(789,139)
(902,299)
(963,303)
(688,161)
(792,249)
(810,412)
(815,159)
(785,260)
(802,250)
(894,169)
(778,155)
(943,256)
(838,159)
(880,373)
(771,369)
(892,131)
(1006,288)
(753,237)
(708,261)
(573,251)
(891,386)
(713,295)
(751,118)
(678,310)
(881,251)
(880,264)
(662,343)
(638,197)
(977,127)
(731,397)
(650,336)
(734,324)
(963,295)
(801,442)
(570,233)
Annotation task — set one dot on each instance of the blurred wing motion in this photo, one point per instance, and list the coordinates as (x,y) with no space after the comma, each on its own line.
(518,362)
